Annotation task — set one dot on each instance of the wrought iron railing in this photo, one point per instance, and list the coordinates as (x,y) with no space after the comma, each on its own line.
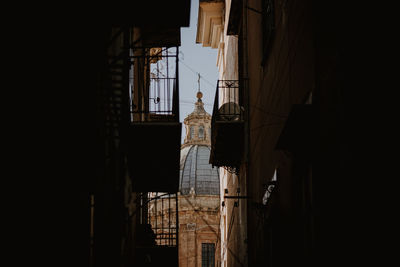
(163,218)
(154,85)
(227,124)
(227,106)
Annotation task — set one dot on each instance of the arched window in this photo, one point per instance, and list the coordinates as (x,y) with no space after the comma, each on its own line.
(201,132)
(191,132)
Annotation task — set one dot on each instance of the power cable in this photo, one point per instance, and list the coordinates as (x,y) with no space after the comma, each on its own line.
(196,73)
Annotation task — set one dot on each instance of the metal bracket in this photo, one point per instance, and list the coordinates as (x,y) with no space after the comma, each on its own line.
(236,197)
(255,10)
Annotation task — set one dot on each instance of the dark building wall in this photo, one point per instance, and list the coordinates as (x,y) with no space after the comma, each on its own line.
(86,161)
(317,211)
(340,74)
(279,77)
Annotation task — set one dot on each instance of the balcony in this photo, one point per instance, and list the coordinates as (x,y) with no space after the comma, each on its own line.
(154,130)
(227,126)
(157,232)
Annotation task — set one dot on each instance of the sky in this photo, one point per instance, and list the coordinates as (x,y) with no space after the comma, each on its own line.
(193,59)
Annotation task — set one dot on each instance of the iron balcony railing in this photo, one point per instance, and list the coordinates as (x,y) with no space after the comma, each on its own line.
(163,218)
(227,126)
(157,229)
(154,88)
(226,104)
(154,130)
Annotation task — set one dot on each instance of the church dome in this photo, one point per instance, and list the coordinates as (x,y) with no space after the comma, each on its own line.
(196,173)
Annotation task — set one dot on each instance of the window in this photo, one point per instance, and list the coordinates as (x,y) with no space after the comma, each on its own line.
(191,132)
(201,132)
(268,24)
(269,188)
(207,254)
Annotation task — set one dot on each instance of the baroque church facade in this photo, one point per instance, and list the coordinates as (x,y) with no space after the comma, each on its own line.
(198,196)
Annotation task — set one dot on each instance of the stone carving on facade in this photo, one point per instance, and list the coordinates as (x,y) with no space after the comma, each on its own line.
(191,226)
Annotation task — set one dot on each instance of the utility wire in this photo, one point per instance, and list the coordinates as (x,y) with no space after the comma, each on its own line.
(191,104)
(184,101)
(197,73)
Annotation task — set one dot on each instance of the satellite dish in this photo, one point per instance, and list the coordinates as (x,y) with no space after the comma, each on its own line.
(230,112)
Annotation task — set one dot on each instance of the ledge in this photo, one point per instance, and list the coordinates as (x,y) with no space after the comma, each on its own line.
(210,23)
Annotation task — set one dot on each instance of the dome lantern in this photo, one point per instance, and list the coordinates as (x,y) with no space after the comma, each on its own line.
(198,124)
(197,175)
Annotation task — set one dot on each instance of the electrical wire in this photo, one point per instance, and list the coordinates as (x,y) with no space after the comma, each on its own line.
(197,73)
(192,103)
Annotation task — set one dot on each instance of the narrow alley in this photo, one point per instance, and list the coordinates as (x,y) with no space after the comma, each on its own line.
(256,172)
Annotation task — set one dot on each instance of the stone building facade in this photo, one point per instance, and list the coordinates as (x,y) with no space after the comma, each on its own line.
(211,32)
(199,231)
(198,197)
